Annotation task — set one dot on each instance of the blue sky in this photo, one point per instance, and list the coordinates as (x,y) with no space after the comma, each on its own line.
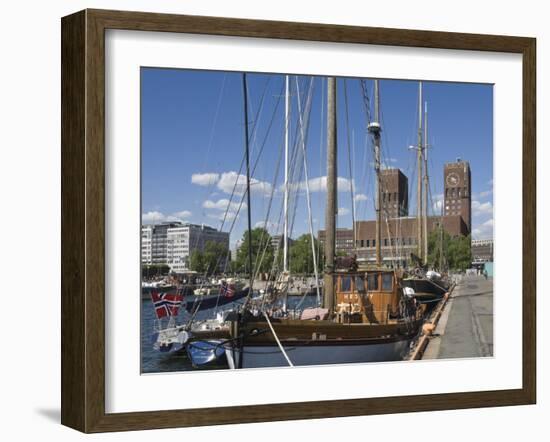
(193,145)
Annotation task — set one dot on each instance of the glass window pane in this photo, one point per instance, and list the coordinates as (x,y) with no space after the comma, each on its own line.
(359,284)
(387,280)
(345,284)
(372,282)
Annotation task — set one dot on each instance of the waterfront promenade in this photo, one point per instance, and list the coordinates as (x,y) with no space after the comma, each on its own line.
(465,328)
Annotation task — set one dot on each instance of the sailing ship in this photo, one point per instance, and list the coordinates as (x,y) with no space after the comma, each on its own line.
(427,286)
(365,314)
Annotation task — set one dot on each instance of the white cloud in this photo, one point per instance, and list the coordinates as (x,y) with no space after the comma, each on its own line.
(156,217)
(360,197)
(342,211)
(319,184)
(437,203)
(485,193)
(383,166)
(227,182)
(224,204)
(179,216)
(152,217)
(205,179)
(479,209)
(484,230)
(272,227)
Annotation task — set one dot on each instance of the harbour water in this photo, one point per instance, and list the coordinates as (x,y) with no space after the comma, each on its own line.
(153,361)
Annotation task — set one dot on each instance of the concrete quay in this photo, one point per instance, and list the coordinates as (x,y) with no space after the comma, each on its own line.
(465,328)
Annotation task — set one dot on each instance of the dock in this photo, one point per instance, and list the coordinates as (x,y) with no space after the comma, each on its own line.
(463,326)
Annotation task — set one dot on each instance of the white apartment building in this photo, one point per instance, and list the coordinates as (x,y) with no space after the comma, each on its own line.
(146,245)
(173,243)
(482,250)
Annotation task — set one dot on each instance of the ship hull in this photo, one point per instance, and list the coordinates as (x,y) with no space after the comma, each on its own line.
(262,356)
(426,289)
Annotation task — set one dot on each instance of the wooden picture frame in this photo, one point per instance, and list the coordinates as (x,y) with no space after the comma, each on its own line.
(83,219)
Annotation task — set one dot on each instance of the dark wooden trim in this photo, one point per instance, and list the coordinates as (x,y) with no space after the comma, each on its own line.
(73,252)
(83,219)
(193,24)
(529,220)
(307,410)
(95,221)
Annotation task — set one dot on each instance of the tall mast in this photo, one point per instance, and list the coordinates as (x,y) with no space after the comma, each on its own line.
(331,210)
(303,138)
(426,184)
(247,150)
(419,180)
(287,136)
(375,129)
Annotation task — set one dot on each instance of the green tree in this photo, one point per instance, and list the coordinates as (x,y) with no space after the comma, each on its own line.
(262,251)
(197,262)
(214,257)
(211,260)
(232,267)
(301,258)
(460,250)
(438,245)
(446,252)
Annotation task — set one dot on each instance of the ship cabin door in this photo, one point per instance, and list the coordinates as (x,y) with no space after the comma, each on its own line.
(350,292)
(381,300)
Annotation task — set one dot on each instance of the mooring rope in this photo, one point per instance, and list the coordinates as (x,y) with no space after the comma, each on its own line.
(277,340)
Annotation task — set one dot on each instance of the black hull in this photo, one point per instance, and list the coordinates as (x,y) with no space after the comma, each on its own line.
(206,302)
(426,290)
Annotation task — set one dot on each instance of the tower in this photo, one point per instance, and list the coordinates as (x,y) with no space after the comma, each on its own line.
(458,196)
(394,193)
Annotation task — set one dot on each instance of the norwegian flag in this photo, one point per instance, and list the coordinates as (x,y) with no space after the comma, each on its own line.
(166,304)
(227,290)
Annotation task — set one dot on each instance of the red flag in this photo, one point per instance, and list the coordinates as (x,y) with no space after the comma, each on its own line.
(166,304)
(227,290)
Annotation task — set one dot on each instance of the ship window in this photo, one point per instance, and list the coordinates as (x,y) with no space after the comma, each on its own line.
(387,280)
(359,284)
(372,282)
(345,283)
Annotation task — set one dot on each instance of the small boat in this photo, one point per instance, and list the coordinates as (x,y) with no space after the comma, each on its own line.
(205,354)
(205,302)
